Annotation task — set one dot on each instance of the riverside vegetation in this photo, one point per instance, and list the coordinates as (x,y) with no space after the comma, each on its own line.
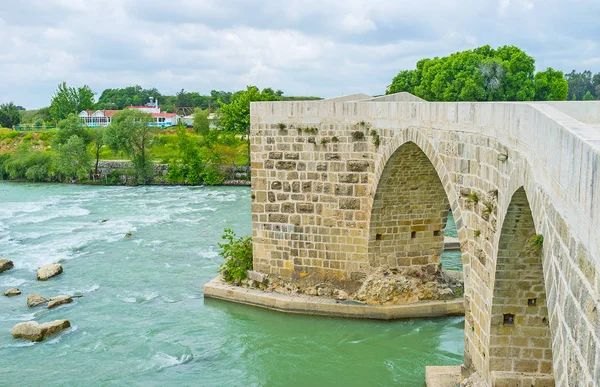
(72,152)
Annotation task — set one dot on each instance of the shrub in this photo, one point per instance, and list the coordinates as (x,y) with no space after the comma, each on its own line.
(357,136)
(114,177)
(238,256)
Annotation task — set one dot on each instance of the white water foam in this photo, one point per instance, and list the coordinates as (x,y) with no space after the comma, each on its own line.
(164,360)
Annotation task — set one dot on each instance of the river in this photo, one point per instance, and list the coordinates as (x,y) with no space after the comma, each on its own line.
(143,320)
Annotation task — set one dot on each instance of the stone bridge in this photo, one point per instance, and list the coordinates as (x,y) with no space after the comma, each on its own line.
(343,186)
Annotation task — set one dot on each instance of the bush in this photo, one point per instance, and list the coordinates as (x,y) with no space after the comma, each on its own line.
(114,177)
(238,256)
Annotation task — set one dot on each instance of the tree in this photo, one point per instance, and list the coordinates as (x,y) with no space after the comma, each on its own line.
(127,96)
(481,74)
(201,122)
(69,127)
(72,158)
(579,83)
(235,116)
(588,96)
(129,132)
(9,115)
(550,85)
(97,137)
(69,100)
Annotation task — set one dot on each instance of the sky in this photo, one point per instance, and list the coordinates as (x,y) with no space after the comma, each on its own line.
(323,48)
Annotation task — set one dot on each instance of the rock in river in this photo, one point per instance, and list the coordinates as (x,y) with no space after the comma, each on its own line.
(34,331)
(12,292)
(49,271)
(5,264)
(35,300)
(59,300)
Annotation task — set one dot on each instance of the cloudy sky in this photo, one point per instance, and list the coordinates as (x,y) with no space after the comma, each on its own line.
(304,47)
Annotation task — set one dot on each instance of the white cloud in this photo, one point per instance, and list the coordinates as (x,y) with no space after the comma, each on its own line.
(309,47)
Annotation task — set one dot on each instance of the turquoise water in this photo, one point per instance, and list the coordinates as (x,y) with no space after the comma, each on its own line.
(451,260)
(143,320)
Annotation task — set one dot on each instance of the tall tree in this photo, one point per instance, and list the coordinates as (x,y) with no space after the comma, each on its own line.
(201,122)
(70,100)
(72,158)
(9,115)
(551,85)
(129,132)
(97,137)
(235,116)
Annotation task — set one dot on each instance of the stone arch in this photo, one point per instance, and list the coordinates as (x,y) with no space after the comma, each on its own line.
(410,206)
(519,337)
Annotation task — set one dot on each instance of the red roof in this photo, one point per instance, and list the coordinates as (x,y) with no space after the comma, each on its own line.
(163,114)
(109,113)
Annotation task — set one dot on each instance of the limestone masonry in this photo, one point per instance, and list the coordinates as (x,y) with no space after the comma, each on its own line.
(343,187)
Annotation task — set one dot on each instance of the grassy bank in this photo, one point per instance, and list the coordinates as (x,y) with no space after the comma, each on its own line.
(35,156)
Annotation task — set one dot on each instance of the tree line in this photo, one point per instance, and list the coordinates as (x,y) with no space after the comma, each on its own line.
(486,74)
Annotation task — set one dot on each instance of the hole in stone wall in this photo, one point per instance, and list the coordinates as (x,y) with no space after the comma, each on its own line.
(413,234)
(509,319)
(532,302)
(436,233)
(378,237)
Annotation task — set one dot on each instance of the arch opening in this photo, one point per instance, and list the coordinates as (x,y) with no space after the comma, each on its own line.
(407,227)
(520,339)
(409,214)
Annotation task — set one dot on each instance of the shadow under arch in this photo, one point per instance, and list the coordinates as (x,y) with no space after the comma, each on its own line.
(519,337)
(410,206)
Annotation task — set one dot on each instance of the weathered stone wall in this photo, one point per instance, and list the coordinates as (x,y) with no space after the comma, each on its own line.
(409,214)
(106,167)
(314,189)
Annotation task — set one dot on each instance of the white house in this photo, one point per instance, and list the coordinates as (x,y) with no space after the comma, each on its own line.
(103,117)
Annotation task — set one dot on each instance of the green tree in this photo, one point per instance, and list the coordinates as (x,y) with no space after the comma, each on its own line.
(588,96)
(72,158)
(235,116)
(69,100)
(70,126)
(10,115)
(97,137)
(482,74)
(550,85)
(201,122)
(579,83)
(129,132)
(127,96)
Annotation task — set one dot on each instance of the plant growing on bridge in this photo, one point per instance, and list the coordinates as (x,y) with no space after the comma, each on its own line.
(503,156)
(238,256)
(536,243)
(376,140)
(335,139)
(472,197)
(358,136)
(281,126)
